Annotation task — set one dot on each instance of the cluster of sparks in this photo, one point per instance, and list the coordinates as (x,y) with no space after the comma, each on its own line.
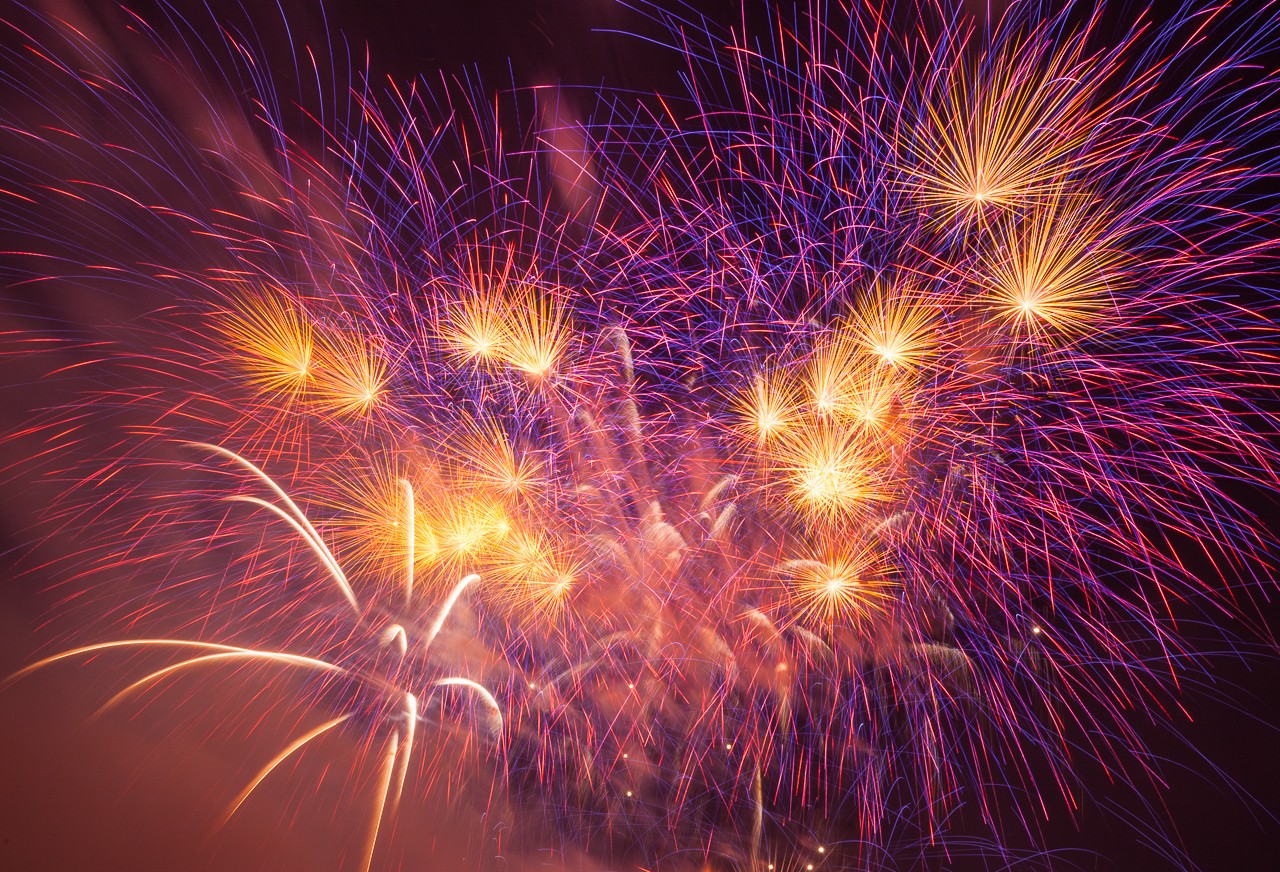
(813,463)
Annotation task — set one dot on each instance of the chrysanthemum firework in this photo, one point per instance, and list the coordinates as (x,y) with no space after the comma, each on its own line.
(767,480)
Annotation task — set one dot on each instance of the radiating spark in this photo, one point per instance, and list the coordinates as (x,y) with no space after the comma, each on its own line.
(273,340)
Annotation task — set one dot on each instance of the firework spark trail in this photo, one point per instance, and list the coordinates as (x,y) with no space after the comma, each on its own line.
(1063,398)
(817,471)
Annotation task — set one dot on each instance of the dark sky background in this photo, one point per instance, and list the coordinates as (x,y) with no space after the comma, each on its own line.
(128,792)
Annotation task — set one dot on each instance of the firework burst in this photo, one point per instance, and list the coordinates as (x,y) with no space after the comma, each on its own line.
(810,476)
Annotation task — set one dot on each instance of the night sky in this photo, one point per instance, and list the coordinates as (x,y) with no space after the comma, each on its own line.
(128,792)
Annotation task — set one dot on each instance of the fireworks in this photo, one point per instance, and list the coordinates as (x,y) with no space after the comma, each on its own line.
(810,477)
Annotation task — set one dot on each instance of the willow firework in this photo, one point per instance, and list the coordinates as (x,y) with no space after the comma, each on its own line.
(770,476)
